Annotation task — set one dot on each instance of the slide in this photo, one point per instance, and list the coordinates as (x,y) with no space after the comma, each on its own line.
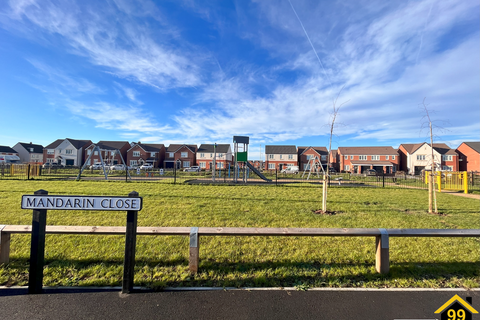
(258,173)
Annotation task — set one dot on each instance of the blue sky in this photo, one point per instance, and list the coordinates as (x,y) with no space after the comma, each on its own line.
(187,71)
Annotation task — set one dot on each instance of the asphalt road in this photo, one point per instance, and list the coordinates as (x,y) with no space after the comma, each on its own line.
(230,304)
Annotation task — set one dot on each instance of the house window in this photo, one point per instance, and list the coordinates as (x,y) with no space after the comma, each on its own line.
(289,165)
(184,155)
(306,166)
(419,157)
(375,157)
(95,153)
(447,158)
(386,157)
(324,157)
(271,166)
(347,168)
(89,151)
(281,157)
(31,149)
(202,164)
(362,157)
(448,168)
(351,157)
(202,155)
(88,162)
(220,165)
(270,156)
(211,155)
(309,157)
(152,154)
(393,157)
(133,163)
(50,151)
(170,154)
(290,157)
(186,164)
(220,155)
(68,151)
(346,157)
(136,153)
(112,153)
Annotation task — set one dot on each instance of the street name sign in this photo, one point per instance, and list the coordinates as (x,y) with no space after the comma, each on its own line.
(51,202)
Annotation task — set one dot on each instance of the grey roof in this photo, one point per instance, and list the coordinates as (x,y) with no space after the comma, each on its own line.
(367,150)
(151,147)
(208,148)
(175,147)
(112,145)
(36,147)
(319,150)
(76,143)
(7,149)
(280,150)
(475,145)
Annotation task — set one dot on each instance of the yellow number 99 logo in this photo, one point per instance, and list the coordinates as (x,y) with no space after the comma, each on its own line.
(459,315)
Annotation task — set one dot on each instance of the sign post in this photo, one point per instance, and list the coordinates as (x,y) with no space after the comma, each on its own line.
(41,201)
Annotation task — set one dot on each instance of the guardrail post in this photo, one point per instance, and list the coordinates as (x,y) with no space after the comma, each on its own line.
(4,245)
(37,248)
(194,250)
(130,244)
(382,262)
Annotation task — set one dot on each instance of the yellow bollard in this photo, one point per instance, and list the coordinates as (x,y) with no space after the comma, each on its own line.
(439,181)
(465,182)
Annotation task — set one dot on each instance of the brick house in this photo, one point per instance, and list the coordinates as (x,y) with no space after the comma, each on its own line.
(305,154)
(67,152)
(29,152)
(205,155)
(8,155)
(416,157)
(334,159)
(359,159)
(280,157)
(183,155)
(257,164)
(469,156)
(108,152)
(140,153)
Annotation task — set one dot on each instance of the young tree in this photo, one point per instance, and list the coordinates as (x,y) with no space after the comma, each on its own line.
(333,118)
(432,196)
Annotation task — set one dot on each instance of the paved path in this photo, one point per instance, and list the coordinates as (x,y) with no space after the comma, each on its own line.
(235,304)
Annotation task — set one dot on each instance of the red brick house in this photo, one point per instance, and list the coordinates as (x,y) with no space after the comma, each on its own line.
(108,150)
(141,153)
(206,153)
(416,157)
(280,157)
(334,160)
(359,159)
(184,156)
(306,154)
(469,156)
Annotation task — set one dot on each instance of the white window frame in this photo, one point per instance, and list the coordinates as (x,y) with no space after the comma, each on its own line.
(133,163)
(393,157)
(89,152)
(420,157)
(202,165)
(447,157)
(347,167)
(351,157)
(386,157)
(152,154)
(290,157)
(346,157)
(271,156)
(271,166)
(362,157)
(202,155)
(136,153)
(184,155)
(171,154)
(186,164)
(68,151)
(50,151)
(95,153)
(375,157)
(324,157)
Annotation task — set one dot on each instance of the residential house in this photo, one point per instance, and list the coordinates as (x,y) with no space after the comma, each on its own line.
(141,153)
(8,155)
(469,156)
(29,152)
(67,152)
(416,157)
(112,152)
(359,159)
(257,164)
(279,157)
(184,156)
(308,156)
(334,160)
(206,154)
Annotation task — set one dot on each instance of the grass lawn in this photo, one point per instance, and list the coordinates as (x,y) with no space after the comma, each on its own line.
(249,261)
